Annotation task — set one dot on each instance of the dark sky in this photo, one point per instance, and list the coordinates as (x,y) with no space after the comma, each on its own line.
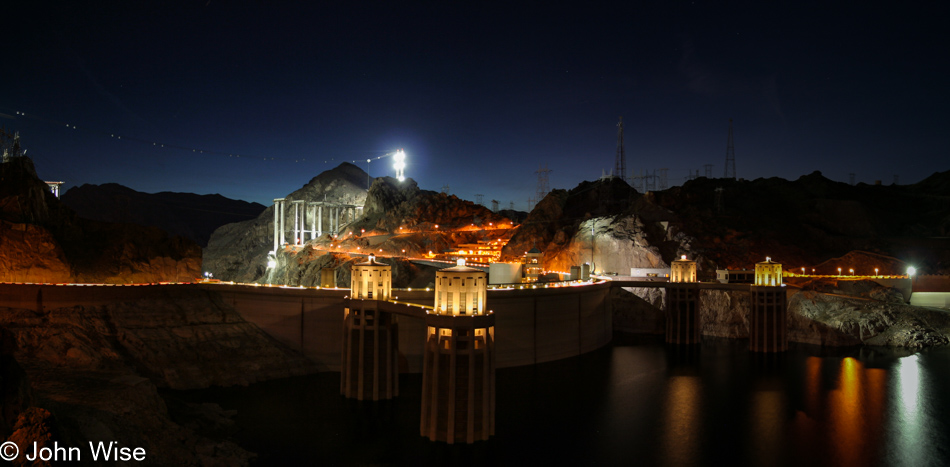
(479,94)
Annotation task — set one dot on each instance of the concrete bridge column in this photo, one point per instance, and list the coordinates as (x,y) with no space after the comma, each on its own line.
(313,221)
(296,221)
(282,226)
(320,221)
(278,205)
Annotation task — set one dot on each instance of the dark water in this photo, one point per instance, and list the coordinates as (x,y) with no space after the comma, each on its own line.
(636,402)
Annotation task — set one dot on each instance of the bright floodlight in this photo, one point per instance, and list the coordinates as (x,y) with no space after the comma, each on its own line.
(400,164)
(911,271)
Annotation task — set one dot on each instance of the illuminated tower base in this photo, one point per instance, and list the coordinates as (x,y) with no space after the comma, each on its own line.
(682,313)
(369,367)
(458,379)
(767,328)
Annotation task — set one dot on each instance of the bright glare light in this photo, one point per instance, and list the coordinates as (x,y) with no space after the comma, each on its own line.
(911,271)
(400,164)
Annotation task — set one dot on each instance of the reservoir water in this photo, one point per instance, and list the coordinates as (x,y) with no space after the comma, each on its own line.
(635,402)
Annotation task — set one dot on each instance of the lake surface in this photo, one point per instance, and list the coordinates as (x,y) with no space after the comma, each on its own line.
(635,402)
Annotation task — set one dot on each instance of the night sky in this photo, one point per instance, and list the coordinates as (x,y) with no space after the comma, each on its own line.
(478,94)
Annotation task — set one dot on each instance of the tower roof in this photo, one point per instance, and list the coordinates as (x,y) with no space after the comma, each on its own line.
(371,261)
(461,267)
(534,250)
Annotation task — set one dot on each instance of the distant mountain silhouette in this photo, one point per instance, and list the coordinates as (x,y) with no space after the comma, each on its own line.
(186,214)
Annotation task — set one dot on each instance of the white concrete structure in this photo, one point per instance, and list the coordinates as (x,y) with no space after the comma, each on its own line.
(504,273)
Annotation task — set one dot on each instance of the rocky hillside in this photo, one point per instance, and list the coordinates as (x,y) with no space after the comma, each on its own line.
(605,223)
(184,214)
(807,221)
(238,251)
(44,241)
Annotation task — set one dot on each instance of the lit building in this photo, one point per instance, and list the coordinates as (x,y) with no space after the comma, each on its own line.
(533,266)
(767,323)
(369,361)
(483,251)
(768,273)
(682,304)
(683,270)
(458,372)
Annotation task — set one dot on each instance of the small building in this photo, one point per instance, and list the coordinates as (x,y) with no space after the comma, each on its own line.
(650,273)
(533,265)
(735,276)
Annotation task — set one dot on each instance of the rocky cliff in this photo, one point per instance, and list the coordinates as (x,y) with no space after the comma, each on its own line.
(876,316)
(183,214)
(605,223)
(44,241)
(97,366)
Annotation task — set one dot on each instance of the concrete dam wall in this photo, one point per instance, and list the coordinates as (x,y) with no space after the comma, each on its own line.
(531,325)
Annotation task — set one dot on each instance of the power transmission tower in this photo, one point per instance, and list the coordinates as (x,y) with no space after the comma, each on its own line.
(511,205)
(637,181)
(543,188)
(479,199)
(730,171)
(708,168)
(895,179)
(663,184)
(851,179)
(494,205)
(650,181)
(621,169)
(445,189)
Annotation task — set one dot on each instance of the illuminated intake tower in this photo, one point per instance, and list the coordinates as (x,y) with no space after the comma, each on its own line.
(767,327)
(682,303)
(458,372)
(368,367)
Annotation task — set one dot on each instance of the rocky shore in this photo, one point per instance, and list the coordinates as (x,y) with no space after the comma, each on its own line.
(92,372)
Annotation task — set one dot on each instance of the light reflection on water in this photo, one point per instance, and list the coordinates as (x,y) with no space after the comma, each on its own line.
(638,402)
